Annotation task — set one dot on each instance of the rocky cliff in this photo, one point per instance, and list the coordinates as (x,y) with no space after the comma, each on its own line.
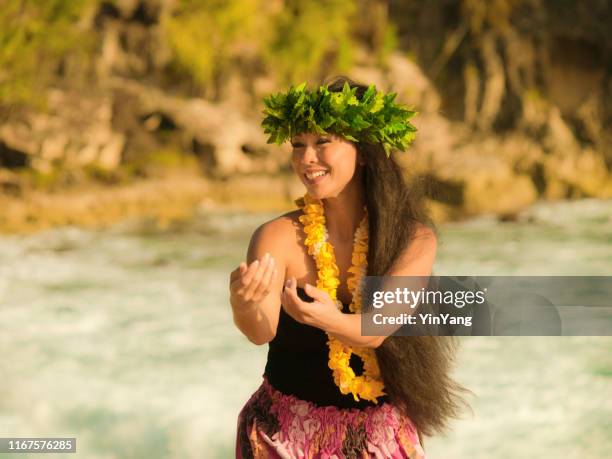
(511,93)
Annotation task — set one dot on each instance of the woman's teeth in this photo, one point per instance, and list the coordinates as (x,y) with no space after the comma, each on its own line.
(313,175)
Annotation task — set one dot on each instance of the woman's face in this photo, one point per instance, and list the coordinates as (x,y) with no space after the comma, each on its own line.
(325,163)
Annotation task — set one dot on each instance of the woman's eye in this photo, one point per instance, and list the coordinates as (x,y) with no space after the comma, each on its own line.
(301,145)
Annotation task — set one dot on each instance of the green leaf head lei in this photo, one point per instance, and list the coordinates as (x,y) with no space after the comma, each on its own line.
(373,118)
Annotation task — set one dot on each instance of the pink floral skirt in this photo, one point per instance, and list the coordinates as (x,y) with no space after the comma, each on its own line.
(276,425)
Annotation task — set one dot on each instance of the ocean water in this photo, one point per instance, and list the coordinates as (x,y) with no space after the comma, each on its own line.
(123,338)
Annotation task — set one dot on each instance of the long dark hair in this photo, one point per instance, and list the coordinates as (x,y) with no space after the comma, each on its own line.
(415,369)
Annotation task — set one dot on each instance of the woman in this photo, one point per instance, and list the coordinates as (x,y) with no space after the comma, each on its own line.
(327,390)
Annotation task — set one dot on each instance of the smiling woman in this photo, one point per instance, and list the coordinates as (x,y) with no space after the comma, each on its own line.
(325,163)
(327,390)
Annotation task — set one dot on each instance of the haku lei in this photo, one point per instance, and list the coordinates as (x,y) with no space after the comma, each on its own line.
(374,117)
(368,385)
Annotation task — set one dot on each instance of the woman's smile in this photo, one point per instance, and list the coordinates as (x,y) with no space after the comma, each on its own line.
(315,176)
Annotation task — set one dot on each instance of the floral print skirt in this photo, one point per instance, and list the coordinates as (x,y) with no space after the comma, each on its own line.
(276,425)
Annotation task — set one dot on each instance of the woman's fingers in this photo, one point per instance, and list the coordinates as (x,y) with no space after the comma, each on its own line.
(242,275)
(237,284)
(288,302)
(317,294)
(235,275)
(295,307)
(247,277)
(238,273)
(250,272)
(237,279)
(265,285)
(256,277)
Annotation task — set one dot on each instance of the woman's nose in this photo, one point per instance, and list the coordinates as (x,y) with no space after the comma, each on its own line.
(310,154)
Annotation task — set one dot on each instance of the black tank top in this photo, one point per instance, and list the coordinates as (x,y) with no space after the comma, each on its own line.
(297,363)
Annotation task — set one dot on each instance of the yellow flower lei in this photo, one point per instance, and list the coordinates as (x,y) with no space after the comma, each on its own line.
(368,385)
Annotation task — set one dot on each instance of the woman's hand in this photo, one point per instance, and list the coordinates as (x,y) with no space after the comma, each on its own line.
(250,285)
(320,313)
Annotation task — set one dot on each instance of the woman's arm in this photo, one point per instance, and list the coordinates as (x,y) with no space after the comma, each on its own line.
(417,259)
(255,290)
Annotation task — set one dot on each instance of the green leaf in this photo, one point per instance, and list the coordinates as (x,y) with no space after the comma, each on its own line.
(358,123)
(377,105)
(369,94)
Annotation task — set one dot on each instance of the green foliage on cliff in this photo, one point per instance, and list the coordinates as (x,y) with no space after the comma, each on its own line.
(310,36)
(35,39)
(206,35)
(293,41)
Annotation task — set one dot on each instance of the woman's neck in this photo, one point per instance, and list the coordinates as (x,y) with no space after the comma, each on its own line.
(344,212)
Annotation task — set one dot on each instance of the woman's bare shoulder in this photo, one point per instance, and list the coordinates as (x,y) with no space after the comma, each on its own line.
(283,230)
